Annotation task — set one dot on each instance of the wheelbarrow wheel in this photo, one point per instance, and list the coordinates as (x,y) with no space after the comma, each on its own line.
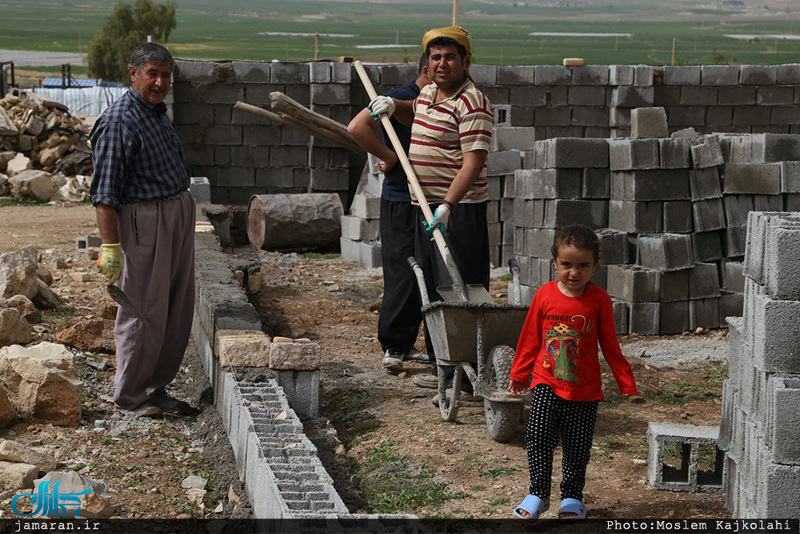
(449,407)
(501,417)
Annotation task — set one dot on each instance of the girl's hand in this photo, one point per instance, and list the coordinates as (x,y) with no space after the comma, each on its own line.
(517,388)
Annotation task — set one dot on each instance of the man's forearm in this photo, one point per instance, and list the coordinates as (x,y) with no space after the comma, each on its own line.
(363,128)
(107,223)
(471,168)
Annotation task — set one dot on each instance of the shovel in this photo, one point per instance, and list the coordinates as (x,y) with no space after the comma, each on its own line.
(121,298)
(458,291)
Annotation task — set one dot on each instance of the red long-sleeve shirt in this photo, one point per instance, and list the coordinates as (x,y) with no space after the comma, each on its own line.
(559,341)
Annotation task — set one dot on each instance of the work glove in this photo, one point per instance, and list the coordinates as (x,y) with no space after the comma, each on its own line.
(380,105)
(109,264)
(440,217)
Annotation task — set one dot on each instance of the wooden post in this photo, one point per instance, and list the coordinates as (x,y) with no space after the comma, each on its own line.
(455,12)
(316,47)
(674,40)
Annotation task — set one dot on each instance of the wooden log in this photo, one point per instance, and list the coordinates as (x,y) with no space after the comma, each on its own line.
(293,222)
(286,120)
(291,108)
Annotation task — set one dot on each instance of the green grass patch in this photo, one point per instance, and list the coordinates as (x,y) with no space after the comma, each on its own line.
(20,200)
(347,410)
(394,483)
(508,277)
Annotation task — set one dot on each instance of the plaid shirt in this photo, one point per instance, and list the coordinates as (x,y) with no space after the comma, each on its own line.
(136,154)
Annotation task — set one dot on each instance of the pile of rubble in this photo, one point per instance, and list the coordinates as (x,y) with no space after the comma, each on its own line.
(42,149)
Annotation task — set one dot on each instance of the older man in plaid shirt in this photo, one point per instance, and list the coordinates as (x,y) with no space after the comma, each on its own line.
(146,217)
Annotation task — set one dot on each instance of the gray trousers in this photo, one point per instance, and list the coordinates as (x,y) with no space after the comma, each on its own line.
(157,239)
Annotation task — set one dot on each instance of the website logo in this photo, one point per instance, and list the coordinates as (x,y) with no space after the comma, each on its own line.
(47,502)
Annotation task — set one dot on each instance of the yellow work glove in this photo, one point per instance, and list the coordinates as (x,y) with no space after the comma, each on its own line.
(110,262)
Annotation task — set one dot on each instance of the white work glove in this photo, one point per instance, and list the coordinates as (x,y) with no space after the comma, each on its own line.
(440,217)
(380,105)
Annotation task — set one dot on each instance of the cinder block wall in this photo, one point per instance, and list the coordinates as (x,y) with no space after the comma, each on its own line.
(243,154)
(760,424)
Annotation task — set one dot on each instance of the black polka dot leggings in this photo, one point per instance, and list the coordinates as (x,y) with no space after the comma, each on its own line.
(551,418)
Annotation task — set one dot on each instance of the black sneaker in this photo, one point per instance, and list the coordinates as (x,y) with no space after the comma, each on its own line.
(393,361)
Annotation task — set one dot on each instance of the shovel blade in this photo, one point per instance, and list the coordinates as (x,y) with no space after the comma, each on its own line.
(121,298)
(475,293)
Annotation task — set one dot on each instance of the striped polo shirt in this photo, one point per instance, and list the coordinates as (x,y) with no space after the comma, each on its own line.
(440,135)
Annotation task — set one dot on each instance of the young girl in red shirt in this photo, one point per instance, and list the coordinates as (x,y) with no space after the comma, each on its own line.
(567,320)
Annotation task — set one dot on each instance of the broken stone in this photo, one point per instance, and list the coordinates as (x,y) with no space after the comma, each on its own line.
(82,333)
(42,383)
(11,451)
(7,126)
(294,356)
(81,276)
(96,504)
(242,348)
(5,157)
(100,365)
(194,481)
(44,274)
(25,308)
(18,273)
(16,476)
(19,164)
(36,184)
(198,497)
(14,329)
(8,416)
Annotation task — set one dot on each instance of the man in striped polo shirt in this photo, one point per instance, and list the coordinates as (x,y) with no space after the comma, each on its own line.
(451,135)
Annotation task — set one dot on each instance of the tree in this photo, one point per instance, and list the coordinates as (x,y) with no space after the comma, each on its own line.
(125,29)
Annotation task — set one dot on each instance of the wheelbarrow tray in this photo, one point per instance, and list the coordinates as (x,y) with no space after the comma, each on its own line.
(467,331)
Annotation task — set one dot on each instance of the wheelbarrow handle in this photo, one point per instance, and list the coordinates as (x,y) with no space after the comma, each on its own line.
(423,289)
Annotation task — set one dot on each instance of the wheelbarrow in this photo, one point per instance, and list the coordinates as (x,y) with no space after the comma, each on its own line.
(484,333)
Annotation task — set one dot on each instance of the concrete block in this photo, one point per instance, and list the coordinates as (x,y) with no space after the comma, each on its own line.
(613,246)
(655,184)
(736,209)
(633,283)
(644,318)
(674,317)
(587,96)
(774,96)
(719,75)
(681,75)
(298,73)
(539,241)
(350,250)
(501,163)
(635,217)
(677,217)
(730,304)
(776,333)
(704,313)
(732,275)
(674,153)
(708,215)
(595,184)
(675,287)
(784,423)
(592,213)
(201,190)
(649,123)
(552,75)
(513,138)
(628,154)
(590,75)
(358,229)
(791,202)
(84,243)
(707,154)
(621,313)
(621,74)
(737,96)
(699,96)
(302,391)
(242,348)
(781,484)
(643,75)
(667,252)
(758,74)
(753,178)
(366,207)
(703,281)
(790,176)
(782,256)
(568,152)
(707,246)
(369,254)
(686,475)
(632,97)
(553,183)
(767,202)
(705,183)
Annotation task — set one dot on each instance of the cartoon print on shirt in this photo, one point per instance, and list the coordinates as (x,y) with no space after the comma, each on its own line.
(562,347)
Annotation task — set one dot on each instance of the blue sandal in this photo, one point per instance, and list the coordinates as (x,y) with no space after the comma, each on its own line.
(572,506)
(533,505)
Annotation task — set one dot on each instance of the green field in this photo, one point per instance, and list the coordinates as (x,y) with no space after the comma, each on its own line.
(257,30)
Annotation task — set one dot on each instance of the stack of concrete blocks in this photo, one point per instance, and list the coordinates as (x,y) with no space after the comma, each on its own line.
(730,98)
(243,154)
(671,213)
(501,167)
(360,241)
(760,424)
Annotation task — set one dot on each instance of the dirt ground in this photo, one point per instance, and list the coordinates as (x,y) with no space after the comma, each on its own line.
(336,303)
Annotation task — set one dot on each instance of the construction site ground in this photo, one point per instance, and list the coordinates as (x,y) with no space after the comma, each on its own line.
(336,303)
